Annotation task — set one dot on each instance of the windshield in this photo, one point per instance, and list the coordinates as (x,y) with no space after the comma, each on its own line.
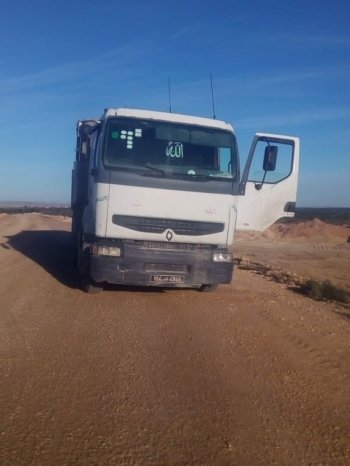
(170,149)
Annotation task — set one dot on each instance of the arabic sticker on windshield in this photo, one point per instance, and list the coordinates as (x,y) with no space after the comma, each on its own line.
(175,150)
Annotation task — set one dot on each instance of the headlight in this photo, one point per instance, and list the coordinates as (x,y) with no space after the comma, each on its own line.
(101,250)
(222,257)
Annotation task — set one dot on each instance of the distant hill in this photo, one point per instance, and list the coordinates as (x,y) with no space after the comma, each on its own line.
(13,204)
(26,209)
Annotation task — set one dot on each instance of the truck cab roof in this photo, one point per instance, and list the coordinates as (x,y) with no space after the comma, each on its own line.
(166,116)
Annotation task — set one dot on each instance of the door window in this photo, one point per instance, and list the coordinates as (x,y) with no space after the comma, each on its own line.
(283,163)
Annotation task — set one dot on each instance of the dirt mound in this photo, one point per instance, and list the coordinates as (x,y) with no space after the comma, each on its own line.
(309,229)
(62,218)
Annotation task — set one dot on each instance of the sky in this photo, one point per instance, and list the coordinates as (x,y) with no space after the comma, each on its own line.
(279,67)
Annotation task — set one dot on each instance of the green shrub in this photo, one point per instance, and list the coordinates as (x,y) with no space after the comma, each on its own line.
(325,291)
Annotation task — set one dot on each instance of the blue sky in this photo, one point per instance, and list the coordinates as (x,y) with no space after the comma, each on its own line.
(278,66)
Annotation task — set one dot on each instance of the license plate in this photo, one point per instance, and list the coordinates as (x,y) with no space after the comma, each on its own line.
(168,278)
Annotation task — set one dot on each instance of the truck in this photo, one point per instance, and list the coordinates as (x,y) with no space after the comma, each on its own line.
(157,197)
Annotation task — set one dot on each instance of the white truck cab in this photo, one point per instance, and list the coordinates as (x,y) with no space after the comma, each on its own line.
(157,197)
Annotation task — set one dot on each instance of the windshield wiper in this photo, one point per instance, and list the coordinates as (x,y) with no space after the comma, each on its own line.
(201,177)
(143,165)
(193,176)
(151,167)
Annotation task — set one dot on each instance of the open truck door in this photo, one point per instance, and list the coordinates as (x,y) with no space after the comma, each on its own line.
(269,183)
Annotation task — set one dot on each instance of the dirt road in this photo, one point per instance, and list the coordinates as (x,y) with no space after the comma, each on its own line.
(250,374)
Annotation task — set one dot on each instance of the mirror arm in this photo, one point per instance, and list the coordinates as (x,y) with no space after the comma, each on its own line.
(258,186)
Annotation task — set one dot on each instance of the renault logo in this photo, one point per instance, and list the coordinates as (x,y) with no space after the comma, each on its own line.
(169,235)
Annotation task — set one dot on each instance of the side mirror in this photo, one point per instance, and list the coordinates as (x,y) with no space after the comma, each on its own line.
(270,158)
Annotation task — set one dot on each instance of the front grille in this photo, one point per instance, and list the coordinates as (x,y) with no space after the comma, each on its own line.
(168,246)
(160,225)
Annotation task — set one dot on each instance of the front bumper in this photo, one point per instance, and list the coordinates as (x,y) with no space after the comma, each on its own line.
(143,262)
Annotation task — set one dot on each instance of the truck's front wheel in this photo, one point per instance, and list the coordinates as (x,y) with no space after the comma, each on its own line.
(83,259)
(207,288)
(88,286)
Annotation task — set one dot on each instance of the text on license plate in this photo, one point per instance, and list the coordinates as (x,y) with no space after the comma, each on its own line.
(167,278)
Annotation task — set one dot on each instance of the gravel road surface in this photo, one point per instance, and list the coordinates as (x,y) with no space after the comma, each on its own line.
(252,373)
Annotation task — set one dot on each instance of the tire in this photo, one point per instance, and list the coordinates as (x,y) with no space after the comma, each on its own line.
(76,235)
(207,288)
(82,262)
(88,286)
(74,249)
(81,255)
